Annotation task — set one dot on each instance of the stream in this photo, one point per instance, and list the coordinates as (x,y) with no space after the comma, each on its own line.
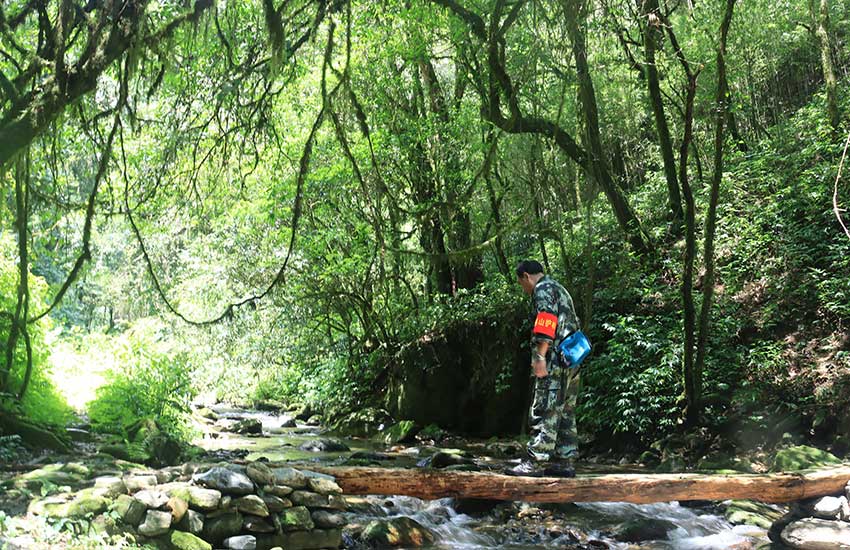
(509,525)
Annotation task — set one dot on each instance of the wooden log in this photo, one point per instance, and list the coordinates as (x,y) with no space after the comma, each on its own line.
(637,488)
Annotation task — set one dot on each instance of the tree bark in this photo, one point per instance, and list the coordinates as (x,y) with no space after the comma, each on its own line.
(820,16)
(636,488)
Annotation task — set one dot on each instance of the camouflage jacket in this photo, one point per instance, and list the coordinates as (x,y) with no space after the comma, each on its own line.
(554,317)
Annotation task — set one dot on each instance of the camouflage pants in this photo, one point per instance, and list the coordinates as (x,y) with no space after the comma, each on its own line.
(552,415)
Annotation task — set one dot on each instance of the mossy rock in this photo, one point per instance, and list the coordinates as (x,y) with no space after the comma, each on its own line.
(802,457)
(187,541)
(431,432)
(641,529)
(84,504)
(51,475)
(749,512)
(401,531)
(403,432)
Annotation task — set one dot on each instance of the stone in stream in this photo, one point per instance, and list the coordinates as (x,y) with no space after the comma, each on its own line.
(315,420)
(241,542)
(817,534)
(835,508)
(640,529)
(247,426)
(251,504)
(324,446)
(156,523)
(181,540)
(401,531)
(802,457)
(288,422)
(225,480)
(366,455)
(750,512)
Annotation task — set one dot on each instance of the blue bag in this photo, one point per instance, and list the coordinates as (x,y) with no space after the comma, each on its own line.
(575,348)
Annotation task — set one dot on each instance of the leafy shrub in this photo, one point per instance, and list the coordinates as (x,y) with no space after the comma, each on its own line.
(151,380)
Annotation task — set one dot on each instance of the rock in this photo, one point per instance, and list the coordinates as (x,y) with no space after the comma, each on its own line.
(242,542)
(442,459)
(290,477)
(181,540)
(130,510)
(362,423)
(324,446)
(296,519)
(178,507)
(403,432)
(278,490)
(138,482)
(251,504)
(110,487)
(260,473)
(270,405)
(324,486)
(324,519)
(207,413)
(315,420)
(79,435)
(156,523)
(749,512)
(802,457)
(51,475)
(85,503)
(254,524)
(192,522)
(225,480)
(396,532)
(275,503)
(151,498)
(834,508)
(311,500)
(431,432)
(370,456)
(817,534)
(303,413)
(475,507)
(301,540)
(288,422)
(641,529)
(218,528)
(246,426)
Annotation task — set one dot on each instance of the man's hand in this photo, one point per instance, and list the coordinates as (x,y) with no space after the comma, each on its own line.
(539,368)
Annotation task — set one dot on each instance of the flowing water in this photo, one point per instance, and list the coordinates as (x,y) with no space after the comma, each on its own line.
(509,526)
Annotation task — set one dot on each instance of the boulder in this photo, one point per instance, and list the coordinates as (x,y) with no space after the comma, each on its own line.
(110,487)
(289,477)
(325,519)
(130,510)
(156,523)
(641,529)
(247,426)
(151,498)
(817,534)
(260,473)
(179,507)
(311,500)
(296,519)
(276,504)
(192,522)
(362,423)
(225,480)
(241,542)
(802,457)
(278,490)
(324,446)
(749,512)
(181,540)
(397,532)
(138,482)
(403,432)
(220,527)
(251,504)
(324,486)
(834,508)
(254,524)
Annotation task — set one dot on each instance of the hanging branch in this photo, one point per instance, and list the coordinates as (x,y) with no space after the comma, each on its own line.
(85,253)
(835,207)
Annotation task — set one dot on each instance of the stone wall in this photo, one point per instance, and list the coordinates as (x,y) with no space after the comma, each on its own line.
(232,506)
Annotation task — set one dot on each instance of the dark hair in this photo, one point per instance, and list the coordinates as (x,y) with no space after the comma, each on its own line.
(532,267)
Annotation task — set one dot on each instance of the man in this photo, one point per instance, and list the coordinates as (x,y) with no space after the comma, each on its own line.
(554,446)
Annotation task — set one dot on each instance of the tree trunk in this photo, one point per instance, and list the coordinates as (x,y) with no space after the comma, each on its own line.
(636,488)
(820,16)
(694,406)
(652,29)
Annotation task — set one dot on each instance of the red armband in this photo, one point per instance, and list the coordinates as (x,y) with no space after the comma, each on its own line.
(545,324)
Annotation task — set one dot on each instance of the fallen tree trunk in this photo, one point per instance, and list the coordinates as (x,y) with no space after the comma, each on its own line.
(636,488)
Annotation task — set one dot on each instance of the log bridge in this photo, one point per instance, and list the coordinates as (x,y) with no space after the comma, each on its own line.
(636,488)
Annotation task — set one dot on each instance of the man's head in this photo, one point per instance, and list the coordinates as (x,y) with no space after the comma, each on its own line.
(528,272)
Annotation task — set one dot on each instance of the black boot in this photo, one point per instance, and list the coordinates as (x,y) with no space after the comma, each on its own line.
(559,469)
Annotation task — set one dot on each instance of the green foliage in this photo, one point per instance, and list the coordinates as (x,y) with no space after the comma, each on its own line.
(11,448)
(42,402)
(151,379)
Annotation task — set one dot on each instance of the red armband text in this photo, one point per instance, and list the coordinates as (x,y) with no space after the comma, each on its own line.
(545,324)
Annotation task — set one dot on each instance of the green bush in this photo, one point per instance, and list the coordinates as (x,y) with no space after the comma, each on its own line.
(41,402)
(152,379)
